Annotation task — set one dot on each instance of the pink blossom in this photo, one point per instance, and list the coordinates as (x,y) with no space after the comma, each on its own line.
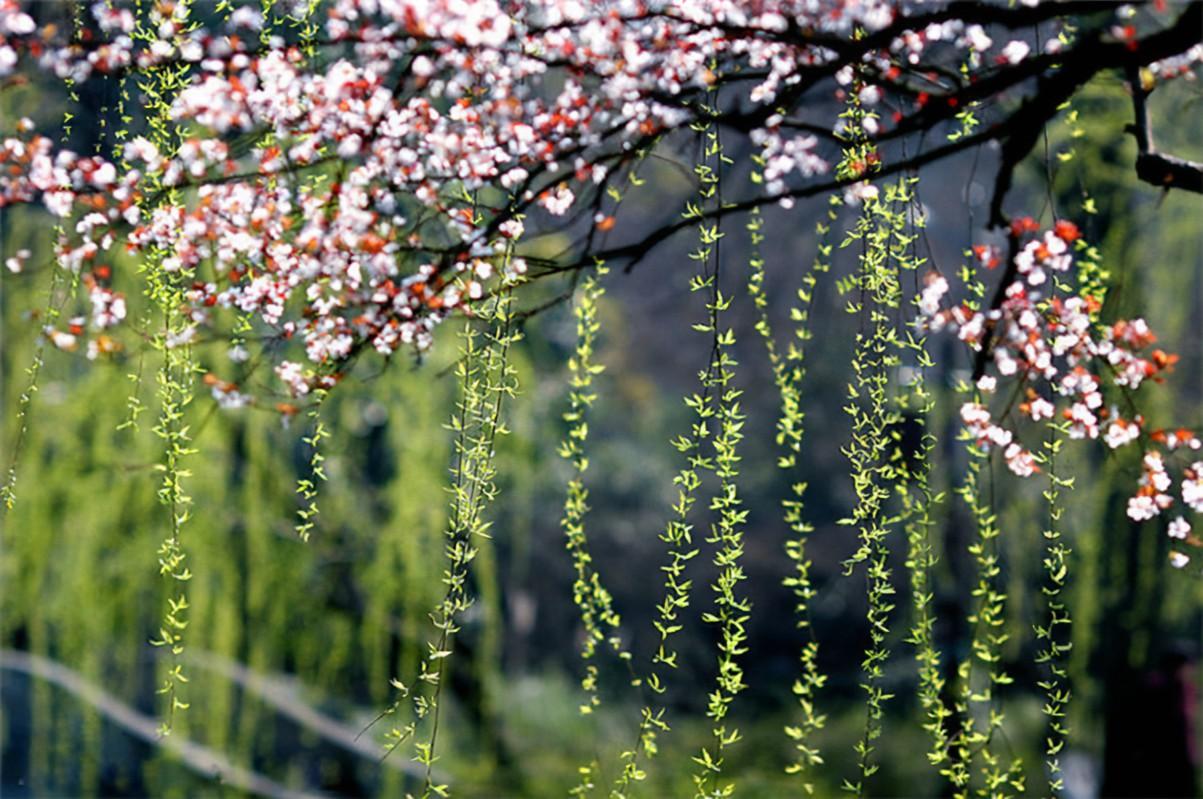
(1020,461)
(557,202)
(1015,51)
(933,292)
(1121,432)
(292,376)
(1192,487)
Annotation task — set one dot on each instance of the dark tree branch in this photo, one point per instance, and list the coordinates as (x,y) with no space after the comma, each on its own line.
(850,51)
(1165,171)
(1170,172)
(637,250)
(1018,133)
(1088,59)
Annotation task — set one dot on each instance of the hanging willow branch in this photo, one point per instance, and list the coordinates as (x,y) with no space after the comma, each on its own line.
(593,600)
(918,500)
(867,454)
(1053,635)
(475,490)
(55,300)
(486,378)
(717,404)
(913,462)
(678,536)
(598,617)
(875,297)
(981,673)
(726,532)
(57,297)
(599,620)
(788,374)
(166,288)
(307,487)
(978,716)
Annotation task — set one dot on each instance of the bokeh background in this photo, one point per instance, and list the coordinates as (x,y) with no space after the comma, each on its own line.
(291,645)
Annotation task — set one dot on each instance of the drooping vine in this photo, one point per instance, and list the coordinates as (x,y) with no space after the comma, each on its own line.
(717,405)
(918,499)
(867,454)
(727,535)
(914,463)
(356,179)
(1053,634)
(789,371)
(486,379)
(307,486)
(980,673)
(677,590)
(875,296)
(165,287)
(593,600)
(726,531)
(599,620)
(57,297)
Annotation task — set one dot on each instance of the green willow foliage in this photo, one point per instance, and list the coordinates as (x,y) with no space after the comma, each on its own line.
(165,290)
(307,487)
(599,620)
(57,297)
(788,373)
(980,674)
(1053,634)
(598,617)
(715,406)
(486,378)
(876,293)
(919,499)
(726,533)
(256,595)
(898,507)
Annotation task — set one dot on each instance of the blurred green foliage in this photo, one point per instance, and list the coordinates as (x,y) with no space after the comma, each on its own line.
(332,620)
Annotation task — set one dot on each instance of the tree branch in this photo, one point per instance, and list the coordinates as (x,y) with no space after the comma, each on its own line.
(1160,170)
(1086,61)
(1018,132)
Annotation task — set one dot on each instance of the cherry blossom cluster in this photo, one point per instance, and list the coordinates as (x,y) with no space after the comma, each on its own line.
(31,168)
(349,182)
(1179,66)
(1048,341)
(623,69)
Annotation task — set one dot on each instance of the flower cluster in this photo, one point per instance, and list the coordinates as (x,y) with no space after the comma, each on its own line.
(352,186)
(1051,345)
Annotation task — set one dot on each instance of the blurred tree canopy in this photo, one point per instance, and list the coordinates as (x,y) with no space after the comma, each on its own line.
(295,647)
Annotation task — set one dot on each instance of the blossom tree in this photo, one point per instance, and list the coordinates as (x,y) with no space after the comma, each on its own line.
(315,183)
